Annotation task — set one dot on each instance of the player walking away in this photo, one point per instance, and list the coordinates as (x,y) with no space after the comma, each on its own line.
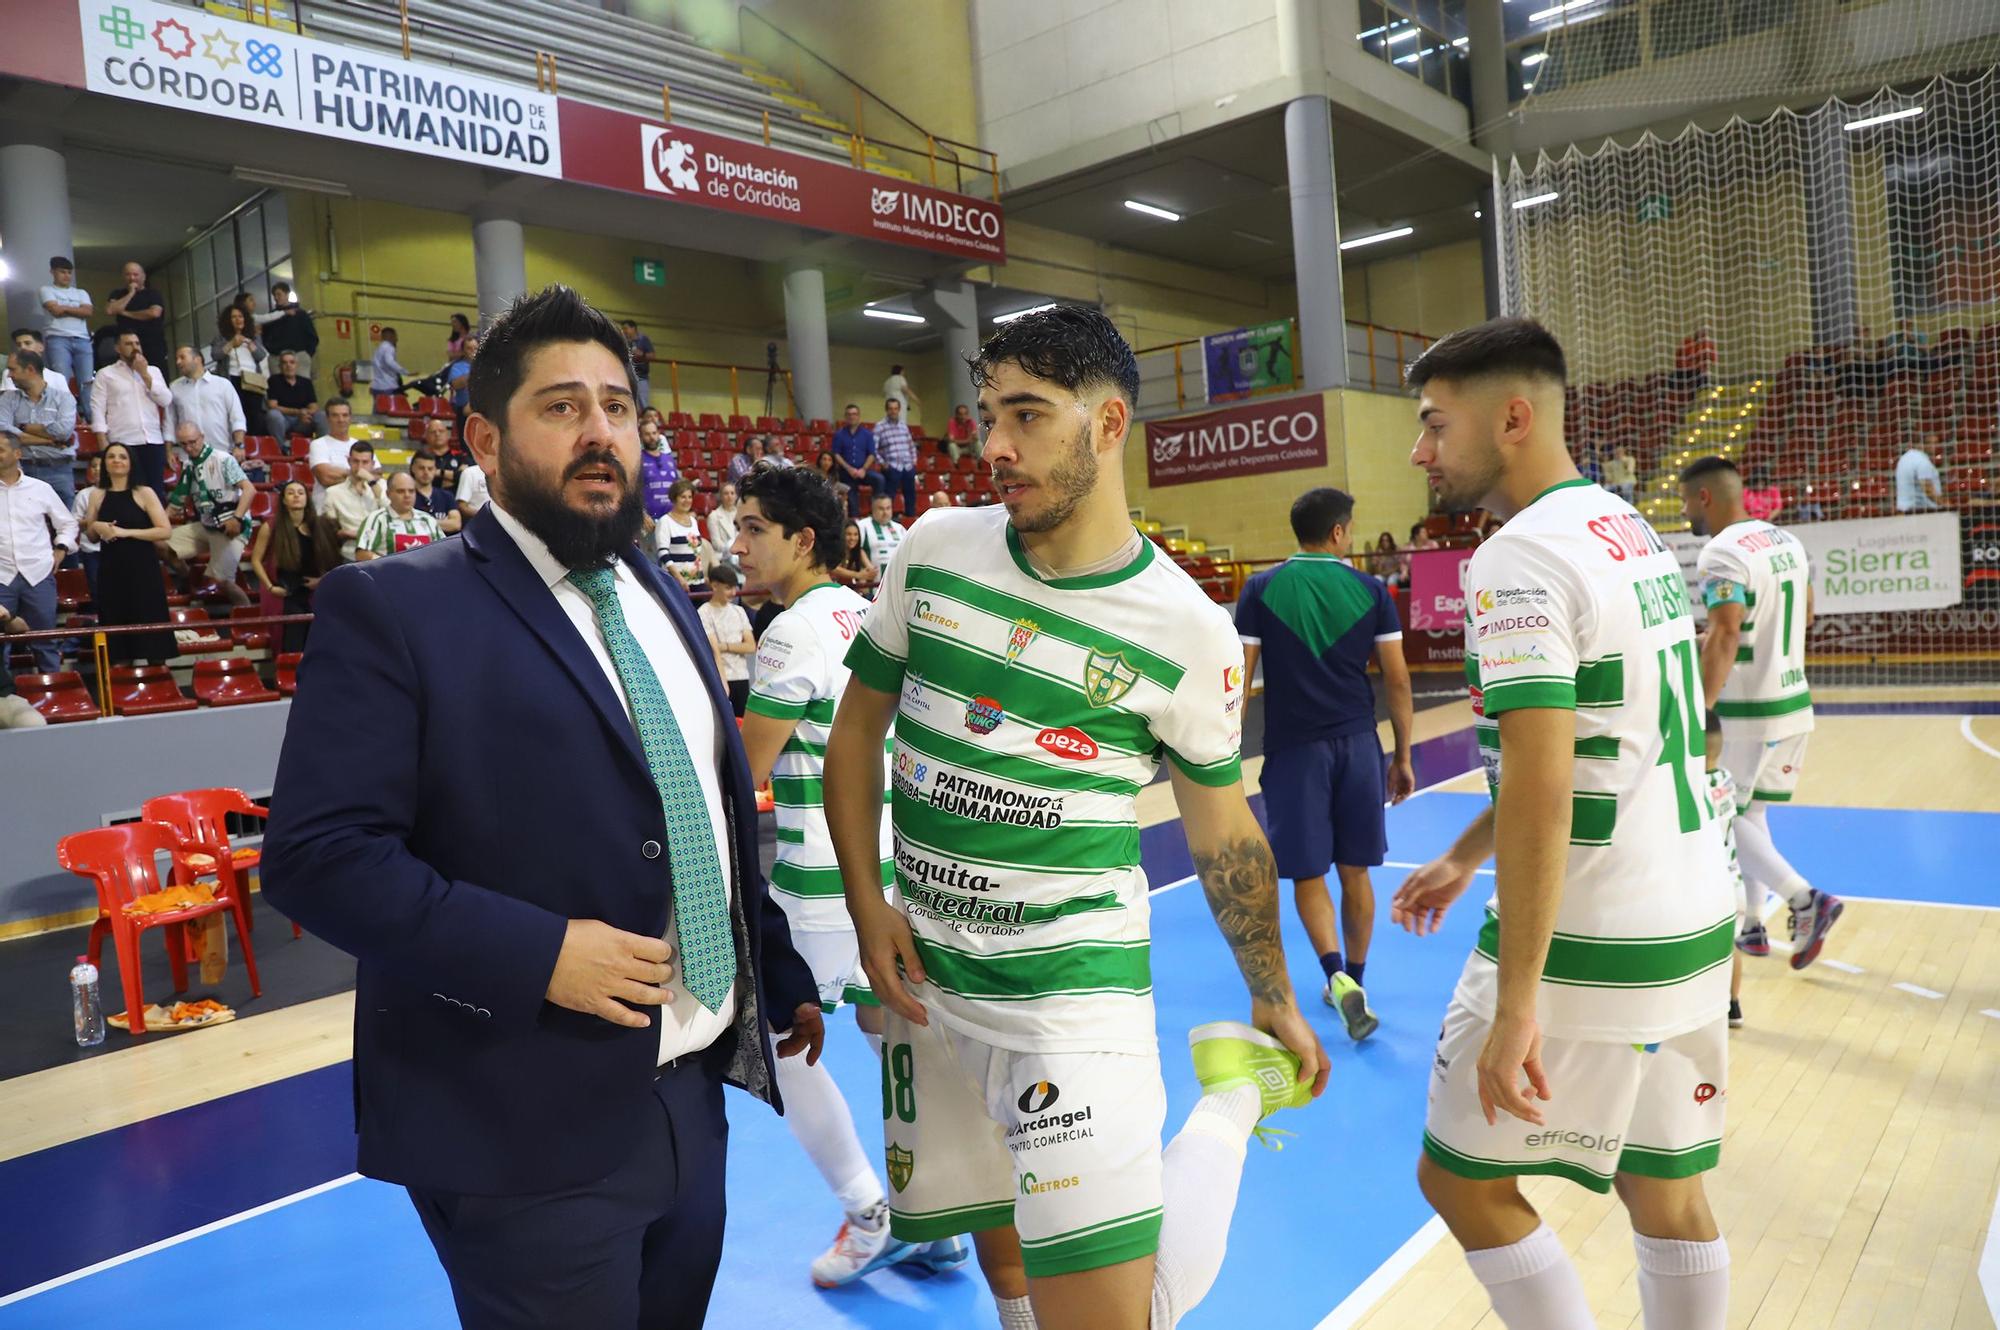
(1316,622)
(1601,973)
(1756,583)
(1722,807)
(788,537)
(1036,659)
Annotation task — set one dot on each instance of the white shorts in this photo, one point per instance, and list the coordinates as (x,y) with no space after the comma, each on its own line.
(835,960)
(1766,769)
(1654,1110)
(1063,1146)
(225,554)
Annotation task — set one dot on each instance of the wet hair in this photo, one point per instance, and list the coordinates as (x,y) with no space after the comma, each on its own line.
(553,314)
(1073,346)
(1519,348)
(1318,511)
(798,500)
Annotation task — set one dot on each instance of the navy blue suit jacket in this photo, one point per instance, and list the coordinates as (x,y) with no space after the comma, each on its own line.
(459,779)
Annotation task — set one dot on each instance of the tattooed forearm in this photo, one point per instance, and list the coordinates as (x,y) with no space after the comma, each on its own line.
(1241,881)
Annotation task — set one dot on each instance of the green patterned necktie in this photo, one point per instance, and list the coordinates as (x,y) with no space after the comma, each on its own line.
(708,949)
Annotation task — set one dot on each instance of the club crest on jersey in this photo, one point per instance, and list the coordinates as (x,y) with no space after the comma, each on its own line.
(901,1165)
(1024,633)
(1107,676)
(983,715)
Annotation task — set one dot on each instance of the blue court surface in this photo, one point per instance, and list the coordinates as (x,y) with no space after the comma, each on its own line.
(1312,1222)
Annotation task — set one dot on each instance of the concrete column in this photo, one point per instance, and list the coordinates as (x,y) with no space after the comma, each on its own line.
(1322,350)
(499,261)
(1486,50)
(954,307)
(34,217)
(1831,242)
(805,335)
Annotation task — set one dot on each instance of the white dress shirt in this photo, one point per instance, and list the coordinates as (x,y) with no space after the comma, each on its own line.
(213,404)
(33,522)
(685,1025)
(471,489)
(325,451)
(125,408)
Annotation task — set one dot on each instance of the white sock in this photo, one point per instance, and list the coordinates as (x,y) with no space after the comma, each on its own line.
(1200,1173)
(1015,1313)
(1761,861)
(1532,1284)
(820,1122)
(1683,1285)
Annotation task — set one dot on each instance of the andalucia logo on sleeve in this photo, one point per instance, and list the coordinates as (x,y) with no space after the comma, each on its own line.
(901,1164)
(1107,676)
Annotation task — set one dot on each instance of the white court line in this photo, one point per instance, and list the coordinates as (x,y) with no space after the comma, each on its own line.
(1844,966)
(1965,728)
(1919,990)
(1358,1303)
(177,1239)
(1928,905)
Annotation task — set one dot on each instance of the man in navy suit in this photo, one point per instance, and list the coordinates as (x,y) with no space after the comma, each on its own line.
(512,787)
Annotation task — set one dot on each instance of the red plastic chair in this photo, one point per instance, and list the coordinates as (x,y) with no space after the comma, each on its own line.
(230,681)
(72,588)
(201,819)
(264,502)
(287,673)
(120,860)
(145,690)
(189,618)
(59,697)
(250,639)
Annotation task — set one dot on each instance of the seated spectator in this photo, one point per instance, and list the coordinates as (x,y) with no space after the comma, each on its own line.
(683,550)
(400,526)
(1421,538)
(1918,489)
(722,524)
(327,455)
(882,533)
(27,339)
(729,632)
(1387,563)
(961,435)
(854,451)
(448,457)
(39,532)
(471,492)
(1762,498)
(828,465)
(128,521)
(432,497)
(289,327)
(657,470)
(293,551)
(350,503)
(774,450)
(942,499)
(856,569)
(740,465)
(1621,474)
(293,403)
(652,413)
(39,415)
(216,495)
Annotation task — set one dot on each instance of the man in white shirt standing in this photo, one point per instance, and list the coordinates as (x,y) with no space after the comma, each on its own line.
(66,334)
(129,407)
(207,401)
(1917,489)
(898,387)
(327,455)
(386,373)
(37,532)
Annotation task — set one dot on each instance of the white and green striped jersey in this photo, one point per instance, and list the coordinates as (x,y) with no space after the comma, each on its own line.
(1577,603)
(1033,712)
(798,674)
(1765,570)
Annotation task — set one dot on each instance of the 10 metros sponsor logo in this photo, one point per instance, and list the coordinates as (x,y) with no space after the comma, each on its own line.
(1042,1126)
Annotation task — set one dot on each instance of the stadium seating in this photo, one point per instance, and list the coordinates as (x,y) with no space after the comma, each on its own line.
(59,698)
(230,681)
(286,673)
(145,690)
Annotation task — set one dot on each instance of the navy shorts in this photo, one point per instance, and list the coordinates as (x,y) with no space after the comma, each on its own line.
(1323,801)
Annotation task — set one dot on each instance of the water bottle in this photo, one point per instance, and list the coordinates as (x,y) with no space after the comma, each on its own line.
(84,1004)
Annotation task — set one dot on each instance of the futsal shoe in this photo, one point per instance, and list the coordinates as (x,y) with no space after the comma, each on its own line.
(1754,940)
(1735,1014)
(1347,997)
(1228,1054)
(1811,925)
(857,1251)
(940,1257)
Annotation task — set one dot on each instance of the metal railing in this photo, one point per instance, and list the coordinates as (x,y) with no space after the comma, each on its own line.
(101,635)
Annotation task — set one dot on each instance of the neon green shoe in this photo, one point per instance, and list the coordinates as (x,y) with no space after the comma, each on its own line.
(1228,1054)
(1346,997)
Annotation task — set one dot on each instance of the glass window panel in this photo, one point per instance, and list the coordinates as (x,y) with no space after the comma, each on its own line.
(1435,74)
(277,229)
(201,270)
(226,273)
(282,272)
(250,242)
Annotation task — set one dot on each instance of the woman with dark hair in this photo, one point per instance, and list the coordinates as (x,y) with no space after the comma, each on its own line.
(855,568)
(293,551)
(461,328)
(826,468)
(238,356)
(1386,563)
(125,519)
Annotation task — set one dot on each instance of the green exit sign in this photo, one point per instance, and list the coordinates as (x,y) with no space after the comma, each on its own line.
(1656,207)
(649,272)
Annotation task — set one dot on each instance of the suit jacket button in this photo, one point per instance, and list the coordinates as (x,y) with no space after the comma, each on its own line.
(651,849)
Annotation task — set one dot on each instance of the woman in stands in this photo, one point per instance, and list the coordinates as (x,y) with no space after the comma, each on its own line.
(239,356)
(461,328)
(825,465)
(684,552)
(125,519)
(1386,563)
(856,568)
(293,551)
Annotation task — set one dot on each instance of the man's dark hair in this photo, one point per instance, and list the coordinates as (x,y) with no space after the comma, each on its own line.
(721,574)
(851,406)
(62,261)
(1073,346)
(276,287)
(1318,511)
(29,360)
(1497,347)
(633,324)
(553,314)
(1416,528)
(361,446)
(800,499)
(895,369)
(19,333)
(386,330)
(1706,466)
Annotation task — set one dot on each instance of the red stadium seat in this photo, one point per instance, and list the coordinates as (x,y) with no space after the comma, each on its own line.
(709,420)
(191,619)
(72,588)
(264,502)
(679,420)
(287,673)
(255,638)
(230,681)
(145,690)
(59,697)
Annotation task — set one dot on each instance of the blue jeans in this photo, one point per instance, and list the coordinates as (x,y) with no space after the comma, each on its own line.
(37,604)
(875,480)
(70,357)
(61,476)
(905,484)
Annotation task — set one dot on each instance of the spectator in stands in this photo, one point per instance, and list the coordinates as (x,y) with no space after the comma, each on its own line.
(327,455)
(434,498)
(293,551)
(140,310)
(128,520)
(1588,465)
(657,470)
(856,569)
(27,339)
(1695,360)
(1762,498)
(961,436)
(1387,563)
(854,450)
(942,499)
(401,526)
(129,406)
(349,503)
(1907,347)
(1421,538)
(471,492)
(454,344)
(206,401)
(39,416)
(739,465)
(67,332)
(897,452)
(1917,486)
(898,387)
(386,373)
(239,357)
(445,453)
(214,490)
(774,450)
(642,362)
(828,465)
(683,550)
(88,549)
(1621,474)
(458,378)
(292,406)
(16,712)
(882,533)
(288,326)
(39,532)
(722,524)
(729,632)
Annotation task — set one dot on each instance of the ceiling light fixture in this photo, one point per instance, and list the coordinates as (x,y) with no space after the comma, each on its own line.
(1536,200)
(1151,211)
(1533,59)
(1557,10)
(284,180)
(1882,119)
(1404,34)
(1477,214)
(1396,234)
(893,315)
(1372,32)
(1015,314)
